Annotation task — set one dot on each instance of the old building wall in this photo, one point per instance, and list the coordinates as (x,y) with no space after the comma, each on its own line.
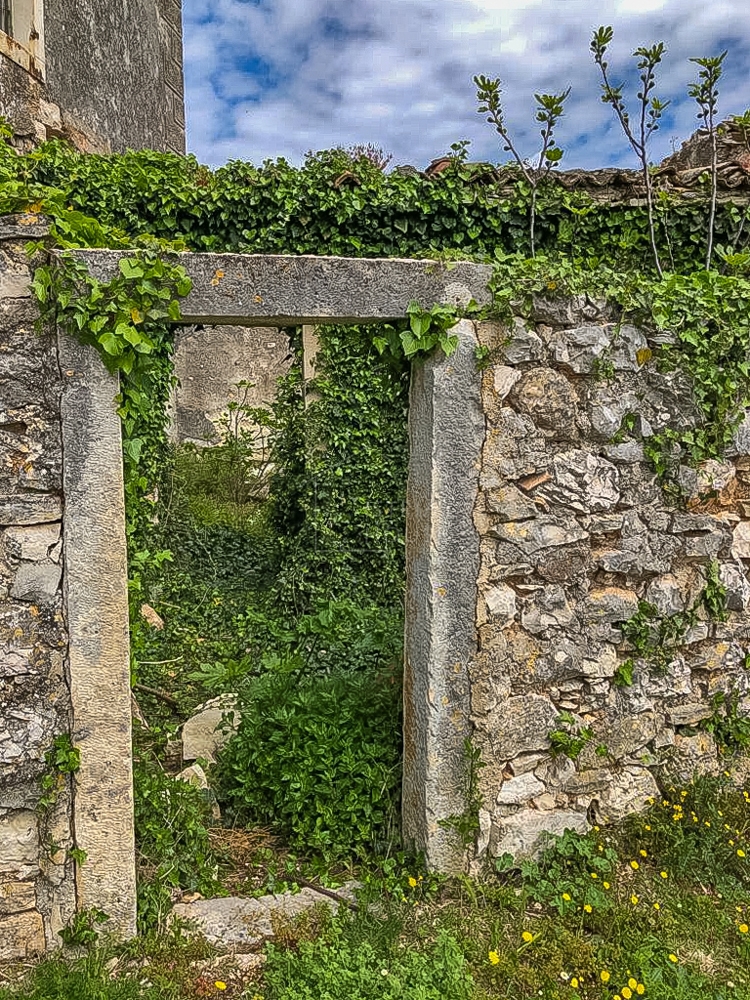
(37,874)
(574,531)
(111,78)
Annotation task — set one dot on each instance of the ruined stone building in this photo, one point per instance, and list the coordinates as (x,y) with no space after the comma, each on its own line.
(105,74)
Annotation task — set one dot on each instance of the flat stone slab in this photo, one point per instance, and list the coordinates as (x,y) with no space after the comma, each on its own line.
(245,924)
(279,290)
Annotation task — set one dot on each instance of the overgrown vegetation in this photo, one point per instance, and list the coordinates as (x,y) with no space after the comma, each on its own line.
(658,906)
(295,600)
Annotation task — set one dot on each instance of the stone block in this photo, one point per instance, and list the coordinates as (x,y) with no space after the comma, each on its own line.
(209,728)
(515,791)
(21,936)
(276,290)
(548,398)
(30,508)
(37,582)
(529,831)
(522,344)
(245,924)
(583,347)
(629,791)
(19,844)
(610,604)
(520,725)
(16,897)
(32,543)
(741,540)
(500,602)
(547,608)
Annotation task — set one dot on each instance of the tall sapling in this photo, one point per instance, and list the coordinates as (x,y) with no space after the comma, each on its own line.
(706,92)
(549,110)
(651,110)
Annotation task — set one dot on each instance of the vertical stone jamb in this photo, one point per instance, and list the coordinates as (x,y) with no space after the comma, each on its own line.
(96,601)
(446,430)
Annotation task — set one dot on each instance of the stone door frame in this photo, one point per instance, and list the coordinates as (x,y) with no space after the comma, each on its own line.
(446,427)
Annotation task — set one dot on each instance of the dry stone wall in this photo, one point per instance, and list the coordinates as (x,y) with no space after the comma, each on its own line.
(37,878)
(574,531)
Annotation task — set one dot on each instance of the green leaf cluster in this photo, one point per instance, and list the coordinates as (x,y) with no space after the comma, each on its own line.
(318,758)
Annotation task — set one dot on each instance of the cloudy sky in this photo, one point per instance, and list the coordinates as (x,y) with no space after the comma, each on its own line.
(268,78)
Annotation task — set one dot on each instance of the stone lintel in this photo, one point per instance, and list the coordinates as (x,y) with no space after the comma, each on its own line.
(446,430)
(275,290)
(97,614)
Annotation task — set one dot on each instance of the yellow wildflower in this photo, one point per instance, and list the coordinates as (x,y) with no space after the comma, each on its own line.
(640,989)
(656,906)
(412,882)
(594,875)
(587,907)
(626,992)
(643,854)
(743,928)
(527,936)
(634,865)
(566,897)
(606,885)
(632,983)
(574,983)
(664,874)
(605,976)
(494,958)
(672,958)
(740,853)
(634,900)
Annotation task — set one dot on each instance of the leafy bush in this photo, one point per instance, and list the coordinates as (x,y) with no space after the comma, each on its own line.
(339,486)
(318,758)
(171,831)
(342,969)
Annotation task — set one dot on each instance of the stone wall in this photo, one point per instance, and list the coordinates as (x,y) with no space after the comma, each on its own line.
(209,362)
(574,531)
(109,78)
(37,877)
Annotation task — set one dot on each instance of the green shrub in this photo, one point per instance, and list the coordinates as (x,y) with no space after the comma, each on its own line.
(318,758)
(173,848)
(342,969)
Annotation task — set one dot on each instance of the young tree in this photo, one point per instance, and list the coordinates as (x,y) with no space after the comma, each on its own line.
(549,110)
(651,110)
(706,93)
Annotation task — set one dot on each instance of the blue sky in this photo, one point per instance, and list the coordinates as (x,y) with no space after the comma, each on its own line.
(268,78)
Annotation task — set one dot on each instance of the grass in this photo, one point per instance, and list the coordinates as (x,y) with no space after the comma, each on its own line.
(658,906)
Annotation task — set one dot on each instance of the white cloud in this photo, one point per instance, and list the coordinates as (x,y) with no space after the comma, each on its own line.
(268,78)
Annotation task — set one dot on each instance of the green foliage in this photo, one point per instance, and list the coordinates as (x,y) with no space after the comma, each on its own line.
(81,930)
(727,724)
(466,824)
(656,638)
(60,760)
(339,490)
(420,333)
(172,820)
(565,870)
(342,967)
(700,832)
(318,758)
(570,736)
(85,979)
